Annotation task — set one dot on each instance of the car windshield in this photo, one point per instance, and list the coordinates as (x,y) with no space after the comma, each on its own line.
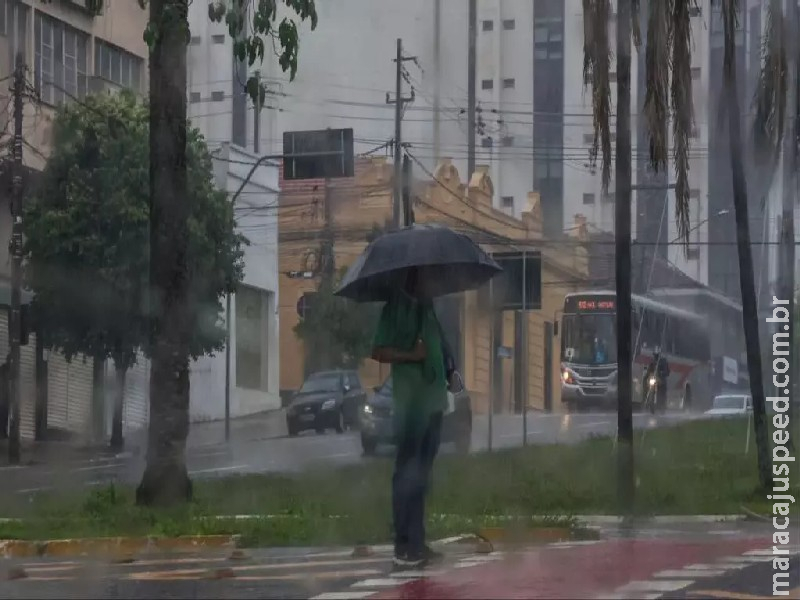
(729,402)
(328,382)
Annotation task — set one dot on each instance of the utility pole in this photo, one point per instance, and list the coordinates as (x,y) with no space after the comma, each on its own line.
(399,101)
(408,208)
(257,117)
(471,86)
(790,164)
(437,77)
(622,219)
(15,323)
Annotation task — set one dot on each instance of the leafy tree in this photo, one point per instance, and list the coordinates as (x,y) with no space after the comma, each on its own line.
(337,332)
(165,480)
(87,239)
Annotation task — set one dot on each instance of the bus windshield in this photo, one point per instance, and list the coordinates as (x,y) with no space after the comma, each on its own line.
(589,339)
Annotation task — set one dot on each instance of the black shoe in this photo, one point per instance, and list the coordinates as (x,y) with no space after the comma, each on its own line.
(408,561)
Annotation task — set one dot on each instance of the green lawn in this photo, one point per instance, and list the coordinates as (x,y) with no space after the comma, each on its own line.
(694,468)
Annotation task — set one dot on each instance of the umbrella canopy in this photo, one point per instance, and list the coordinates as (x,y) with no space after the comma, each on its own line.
(446,262)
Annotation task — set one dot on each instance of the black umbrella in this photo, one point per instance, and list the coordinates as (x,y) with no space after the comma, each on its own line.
(446,262)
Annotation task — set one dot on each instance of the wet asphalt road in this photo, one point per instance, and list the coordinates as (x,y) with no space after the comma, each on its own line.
(260,444)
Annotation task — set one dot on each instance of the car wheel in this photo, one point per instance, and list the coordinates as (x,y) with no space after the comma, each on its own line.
(291,428)
(340,426)
(320,430)
(369,445)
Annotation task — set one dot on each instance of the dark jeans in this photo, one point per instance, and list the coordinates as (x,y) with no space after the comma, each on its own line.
(416,451)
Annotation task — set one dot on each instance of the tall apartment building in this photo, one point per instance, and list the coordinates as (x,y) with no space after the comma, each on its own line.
(69,52)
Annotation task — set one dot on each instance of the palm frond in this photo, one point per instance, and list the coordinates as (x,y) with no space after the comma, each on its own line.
(682,111)
(656,100)
(769,100)
(596,69)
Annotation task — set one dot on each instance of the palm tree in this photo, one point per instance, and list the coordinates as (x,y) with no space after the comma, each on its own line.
(668,43)
(746,273)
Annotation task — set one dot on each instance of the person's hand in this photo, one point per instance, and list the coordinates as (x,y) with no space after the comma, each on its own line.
(419,352)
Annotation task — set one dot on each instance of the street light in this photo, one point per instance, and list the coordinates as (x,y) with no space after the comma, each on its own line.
(720,213)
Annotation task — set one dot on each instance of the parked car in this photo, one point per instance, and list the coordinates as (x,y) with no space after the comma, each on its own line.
(731,405)
(377,426)
(326,400)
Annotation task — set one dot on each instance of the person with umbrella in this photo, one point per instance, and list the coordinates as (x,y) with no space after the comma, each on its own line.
(409,338)
(407,269)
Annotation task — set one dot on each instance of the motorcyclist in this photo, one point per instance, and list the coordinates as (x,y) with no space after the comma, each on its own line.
(662,375)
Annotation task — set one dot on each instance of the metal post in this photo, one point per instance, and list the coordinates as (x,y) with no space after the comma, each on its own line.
(492,352)
(524,336)
(227,367)
(398,118)
(471,85)
(437,79)
(14,325)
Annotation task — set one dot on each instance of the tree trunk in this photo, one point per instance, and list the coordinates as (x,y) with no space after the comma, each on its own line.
(165,481)
(746,273)
(622,229)
(120,371)
(98,421)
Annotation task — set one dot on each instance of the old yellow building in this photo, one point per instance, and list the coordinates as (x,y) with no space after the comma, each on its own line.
(353,208)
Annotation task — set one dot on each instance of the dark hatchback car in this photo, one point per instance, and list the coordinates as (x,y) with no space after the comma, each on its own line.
(377,425)
(327,400)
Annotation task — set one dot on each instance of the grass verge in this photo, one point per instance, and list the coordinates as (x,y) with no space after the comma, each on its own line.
(694,468)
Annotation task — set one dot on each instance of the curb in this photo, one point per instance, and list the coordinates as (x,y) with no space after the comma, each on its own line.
(114,546)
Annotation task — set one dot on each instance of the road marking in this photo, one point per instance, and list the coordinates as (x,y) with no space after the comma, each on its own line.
(340,455)
(722,594)
(100,467)
(686,572)
(218,469)
(305,576)
(342,596)
(307,564)
(745,559)
(416,574)
(656,586)
(592,424)
(722,565)
(376,583)
(13,467)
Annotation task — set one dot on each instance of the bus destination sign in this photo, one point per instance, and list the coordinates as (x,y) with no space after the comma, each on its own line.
(591,304)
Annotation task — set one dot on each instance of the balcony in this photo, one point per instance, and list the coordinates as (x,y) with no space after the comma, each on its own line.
(93,8)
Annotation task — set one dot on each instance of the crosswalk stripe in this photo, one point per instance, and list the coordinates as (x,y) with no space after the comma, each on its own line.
(352,595)
(310,576)
(687,573)
(376,583)
(656,586)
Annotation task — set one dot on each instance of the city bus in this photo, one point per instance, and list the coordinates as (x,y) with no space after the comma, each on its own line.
(589,348)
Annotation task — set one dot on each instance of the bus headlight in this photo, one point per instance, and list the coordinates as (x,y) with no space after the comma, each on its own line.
(566,376)
(652,381)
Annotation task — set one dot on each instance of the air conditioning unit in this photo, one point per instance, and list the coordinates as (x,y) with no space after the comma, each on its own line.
(93,7)
(100,85)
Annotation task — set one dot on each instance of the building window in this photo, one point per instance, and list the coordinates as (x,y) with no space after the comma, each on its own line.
(507,201)
(14,25)
(195,41)
(217,96)
(486,142)
(194,97)
(218,39)
(118,66)
(694,11)
(509,24)
(488,25)
(487,84)
(695,72)
(252,365)
(509,83)
(588,198)
(60,60)
(507,141)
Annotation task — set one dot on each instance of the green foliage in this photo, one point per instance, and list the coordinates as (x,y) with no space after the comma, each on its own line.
(251,23)
(337,332)
(87,243)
